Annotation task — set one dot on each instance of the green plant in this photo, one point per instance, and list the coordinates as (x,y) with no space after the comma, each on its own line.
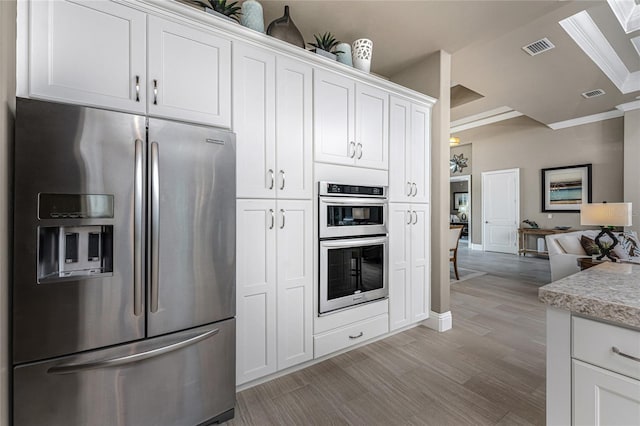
(221,6)
(325,42)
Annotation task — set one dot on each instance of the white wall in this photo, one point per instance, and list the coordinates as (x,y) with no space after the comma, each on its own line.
(632,164)
(7,108)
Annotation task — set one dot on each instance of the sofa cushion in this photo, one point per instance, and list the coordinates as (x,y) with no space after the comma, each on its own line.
(589,245)
(629,241)
(571,244)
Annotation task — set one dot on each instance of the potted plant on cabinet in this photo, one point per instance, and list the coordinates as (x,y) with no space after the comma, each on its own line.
(325,45)
(220,7)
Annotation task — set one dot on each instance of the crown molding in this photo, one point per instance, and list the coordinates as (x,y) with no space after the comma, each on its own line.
(482,119)
(584,31)
(628,14)
(586,119)
(629,106)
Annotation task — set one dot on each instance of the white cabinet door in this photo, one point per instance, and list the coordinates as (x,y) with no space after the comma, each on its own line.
(601,397)
(295,282)
(399,265)
(256,289)
(372,127)
(334,116)
(420,160)
(420,273)
(90,53)
(294,129)
(399,150)
(254,121)
(189,74)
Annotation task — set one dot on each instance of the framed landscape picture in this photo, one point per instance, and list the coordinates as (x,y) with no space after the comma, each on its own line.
(565,188)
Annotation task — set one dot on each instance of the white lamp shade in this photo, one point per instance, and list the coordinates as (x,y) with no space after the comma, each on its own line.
(605,214)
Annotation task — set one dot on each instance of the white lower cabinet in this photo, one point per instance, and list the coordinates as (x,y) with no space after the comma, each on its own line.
(409,264)
(274,286)
(601,397)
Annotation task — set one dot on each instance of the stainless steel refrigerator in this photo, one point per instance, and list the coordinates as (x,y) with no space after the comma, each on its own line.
(124,269)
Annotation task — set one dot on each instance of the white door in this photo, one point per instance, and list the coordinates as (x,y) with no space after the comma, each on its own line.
(400,219)
(91,53)
(420,274)
(399,150)
(604,398)
(420,160)
(500,210)
(254,121)
(294,130)
(189,74)
(334,110)
(295,282)
(372,127)
(256,289)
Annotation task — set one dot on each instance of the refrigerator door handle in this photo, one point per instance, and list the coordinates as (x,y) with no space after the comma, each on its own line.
(128,359)
(138,227)
(155,226)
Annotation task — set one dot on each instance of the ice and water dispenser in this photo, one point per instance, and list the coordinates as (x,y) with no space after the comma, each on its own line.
(82,245)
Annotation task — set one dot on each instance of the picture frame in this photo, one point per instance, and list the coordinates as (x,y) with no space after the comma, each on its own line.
(564,189)
(460,198)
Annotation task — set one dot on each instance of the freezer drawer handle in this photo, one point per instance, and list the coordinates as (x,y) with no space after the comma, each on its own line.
(114,362)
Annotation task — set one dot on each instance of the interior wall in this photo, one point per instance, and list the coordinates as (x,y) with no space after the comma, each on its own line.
(526,144)
(7,109)
(432,76)
(631,162)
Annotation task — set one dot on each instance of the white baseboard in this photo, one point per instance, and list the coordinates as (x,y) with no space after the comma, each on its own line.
(476,247)
(439,321)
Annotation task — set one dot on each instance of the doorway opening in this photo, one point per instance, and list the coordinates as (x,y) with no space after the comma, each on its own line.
(460,205)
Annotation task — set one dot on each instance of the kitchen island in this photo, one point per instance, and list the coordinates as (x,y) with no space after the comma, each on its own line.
(593,346)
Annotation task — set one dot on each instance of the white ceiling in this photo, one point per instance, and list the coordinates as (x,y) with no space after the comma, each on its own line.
(485,40)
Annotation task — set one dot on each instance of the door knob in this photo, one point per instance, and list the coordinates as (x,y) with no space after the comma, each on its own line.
(486,221)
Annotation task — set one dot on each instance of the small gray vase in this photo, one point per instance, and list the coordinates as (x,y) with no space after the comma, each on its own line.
(284,29)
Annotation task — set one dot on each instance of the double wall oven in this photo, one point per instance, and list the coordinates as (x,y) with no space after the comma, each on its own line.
(353,245)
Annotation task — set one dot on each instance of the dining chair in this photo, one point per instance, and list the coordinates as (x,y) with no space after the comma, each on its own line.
(455,232)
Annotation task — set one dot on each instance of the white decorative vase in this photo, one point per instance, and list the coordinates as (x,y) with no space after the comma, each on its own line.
(345,56)
(361,54)
(252,16)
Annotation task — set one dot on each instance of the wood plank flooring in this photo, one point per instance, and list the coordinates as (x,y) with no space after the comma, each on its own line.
(488,370)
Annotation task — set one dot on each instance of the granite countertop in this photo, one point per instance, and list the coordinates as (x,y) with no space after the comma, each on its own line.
(609,291)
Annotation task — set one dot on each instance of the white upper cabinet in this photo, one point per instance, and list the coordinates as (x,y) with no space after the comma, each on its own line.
(90,53)
(409,151)
(351,122)
(273,124)
(189,74)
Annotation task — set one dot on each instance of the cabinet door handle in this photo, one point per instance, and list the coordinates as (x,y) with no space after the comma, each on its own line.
(409,215)
(357,336)
(273,218)
(617,352)
(360,152)
(416,217)
(282,175)
(415,189)
(273,178)
(352,148)
(137,88)
(155,92)
(283,218)
(409,189)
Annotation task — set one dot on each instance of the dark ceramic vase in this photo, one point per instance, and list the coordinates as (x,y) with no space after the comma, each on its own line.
(284,29)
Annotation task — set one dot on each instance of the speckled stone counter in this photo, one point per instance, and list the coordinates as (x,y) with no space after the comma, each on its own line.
(610,291)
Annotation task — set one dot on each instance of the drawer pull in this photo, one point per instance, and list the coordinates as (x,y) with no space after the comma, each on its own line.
(357,336)
(617,352)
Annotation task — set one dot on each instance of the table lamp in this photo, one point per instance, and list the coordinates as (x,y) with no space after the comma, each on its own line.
(462,210)
(606,216)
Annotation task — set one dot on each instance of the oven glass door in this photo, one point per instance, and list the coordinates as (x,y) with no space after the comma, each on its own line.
(353,271)
(351,216)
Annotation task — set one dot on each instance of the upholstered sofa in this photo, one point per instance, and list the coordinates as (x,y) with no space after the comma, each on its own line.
(565,249)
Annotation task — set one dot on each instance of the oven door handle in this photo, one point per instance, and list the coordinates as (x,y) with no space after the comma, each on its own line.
(354,242)
(355,202)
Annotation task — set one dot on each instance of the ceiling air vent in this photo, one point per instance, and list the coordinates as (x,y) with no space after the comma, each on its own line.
(538,47)
(593,93)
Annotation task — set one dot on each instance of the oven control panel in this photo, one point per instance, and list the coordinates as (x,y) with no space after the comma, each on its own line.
(333,189)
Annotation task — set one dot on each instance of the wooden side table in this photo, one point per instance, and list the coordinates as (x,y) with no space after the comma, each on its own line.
(588,262)
(524,232)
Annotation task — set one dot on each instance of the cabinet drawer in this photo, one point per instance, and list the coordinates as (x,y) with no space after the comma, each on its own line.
(593,342)
(350,335)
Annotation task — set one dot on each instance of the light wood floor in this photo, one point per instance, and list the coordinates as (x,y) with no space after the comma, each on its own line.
(489,369)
